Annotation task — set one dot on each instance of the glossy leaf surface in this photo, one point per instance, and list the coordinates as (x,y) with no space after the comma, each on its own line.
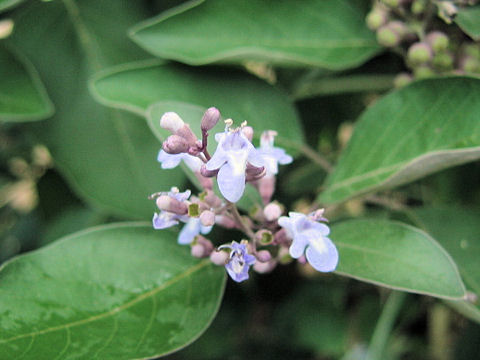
(22,94)
(122,291)
(410,133)
(108,157)
(329,34)
(397,256)
(468,19)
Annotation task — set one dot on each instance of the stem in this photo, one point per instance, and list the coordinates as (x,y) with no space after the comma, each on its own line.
(316,158)
(384,327)
(242,224)
(390,204)
(204,145)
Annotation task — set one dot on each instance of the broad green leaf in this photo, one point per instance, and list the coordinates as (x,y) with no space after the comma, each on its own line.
(7,4)
(22,94)
(410,133)
(135,87)
(329,34)
(468,18)
(107,156)
(397,256)
(458,230)
(122,291)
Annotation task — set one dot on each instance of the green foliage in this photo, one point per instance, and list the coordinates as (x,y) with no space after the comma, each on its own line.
(113,291)
(469,20)
(329,34)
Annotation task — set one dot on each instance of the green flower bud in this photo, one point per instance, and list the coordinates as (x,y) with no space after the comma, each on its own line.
(419,53)
(388,35)
(438,41)
(418,7)
(423,72)
(402,80)
(443,61)
(470,65)
(376,18)
(392,3)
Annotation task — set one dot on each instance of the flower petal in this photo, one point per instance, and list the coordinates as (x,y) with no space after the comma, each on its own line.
(254,156)
(231,186)
(322,254)
(168,161)
(189,231)
(164,220)
(218,159)
(298,246)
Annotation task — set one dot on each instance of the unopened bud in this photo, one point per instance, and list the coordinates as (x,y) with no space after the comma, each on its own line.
(264,267)
(248,132)
(170,204)
(419,53)
(6,28)
(210,119)
(263,255)
(175,144)
(272,211)
(207,218)
(376,18)
(219,257)
(388,37)
(470,65)
(402,80)
(392,3)
(423,72)
(438,41)
(281,238)
(171,121)
(201,247)
(187,133)
(443,61)
(225,221)
(418,7)
(266,188)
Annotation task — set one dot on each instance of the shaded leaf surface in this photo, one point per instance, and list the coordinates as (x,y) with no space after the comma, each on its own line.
(7,4)
(108,157)
(468,19)
(330,34)
(121,291)
(426,127)
(458,230)
(22,95)
(135,87)
(396,255)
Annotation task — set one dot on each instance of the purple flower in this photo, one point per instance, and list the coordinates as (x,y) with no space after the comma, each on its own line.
(310,237)
(272,156)
(192,228)
(231,157)
(239,261)
(169,161)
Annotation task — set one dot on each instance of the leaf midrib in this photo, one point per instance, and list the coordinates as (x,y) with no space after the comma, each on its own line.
(117,309)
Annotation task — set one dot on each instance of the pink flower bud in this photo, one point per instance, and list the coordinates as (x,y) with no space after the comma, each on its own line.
(225,221)
(202,247)
(281,238)
(205,182)
(266,188)
(219,258)
(207,218)
(248,132)
(197,251)
(272,211)
(170,204)
(187,133)
(264,267)
(263,256)
(171,121)
(210,118)
(175,144)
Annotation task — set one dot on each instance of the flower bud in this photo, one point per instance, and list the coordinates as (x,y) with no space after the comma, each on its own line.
(419,53)
(6,28)
(443,61)
(263,255)
(470,64)
(225,221)
(170,204)
(264,267)
(418,7)
(402,80)
(266,188)
(175,144)
(187,133)
(207,218)
(201,247)
(376,18)
(388,37)
(438,41)
(272,211)
(248,132)
(210,119)
(219,258)
(171,121)
(281,237)
(423,72)
(392,3)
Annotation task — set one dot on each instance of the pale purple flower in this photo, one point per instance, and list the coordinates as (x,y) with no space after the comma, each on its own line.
(310,237)
(271,155)
(239,261)
(233,152)
(192,228)
(169,161)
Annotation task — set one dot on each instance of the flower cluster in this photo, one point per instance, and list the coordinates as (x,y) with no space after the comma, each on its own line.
(235,163)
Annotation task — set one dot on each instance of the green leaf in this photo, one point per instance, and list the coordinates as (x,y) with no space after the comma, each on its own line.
(397,256)
(468,18)
(329,34)
(458,230)
(410,133)
(7,4)
(122,291)
(135,87)
(22,94)
(108,157)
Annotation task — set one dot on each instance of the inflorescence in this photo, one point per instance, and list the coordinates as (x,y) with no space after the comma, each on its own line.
(270,237)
